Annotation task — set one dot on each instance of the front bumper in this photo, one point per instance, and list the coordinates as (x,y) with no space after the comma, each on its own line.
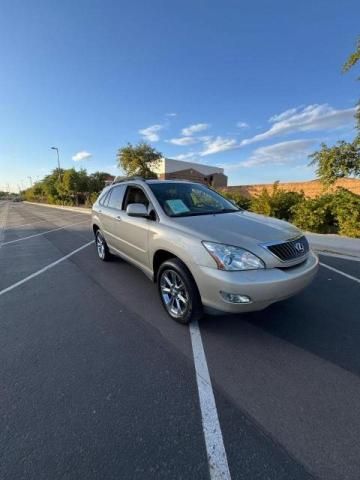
(264,287)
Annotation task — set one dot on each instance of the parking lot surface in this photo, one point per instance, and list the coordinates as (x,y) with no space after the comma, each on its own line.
(98,383)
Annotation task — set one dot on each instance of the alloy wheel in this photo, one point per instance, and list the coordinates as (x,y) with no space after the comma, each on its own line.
(174,293)
(100,246)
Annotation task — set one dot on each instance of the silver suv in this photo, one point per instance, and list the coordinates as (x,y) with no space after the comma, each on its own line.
(203,252)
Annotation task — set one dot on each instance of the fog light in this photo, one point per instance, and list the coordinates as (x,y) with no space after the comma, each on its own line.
(235,297)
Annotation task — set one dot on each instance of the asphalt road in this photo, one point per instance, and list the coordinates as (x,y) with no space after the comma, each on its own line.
(98,383)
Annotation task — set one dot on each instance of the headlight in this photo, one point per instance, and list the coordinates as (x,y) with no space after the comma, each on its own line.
(233,258)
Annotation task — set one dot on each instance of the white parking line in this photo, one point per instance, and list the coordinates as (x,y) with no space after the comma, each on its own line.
(343,257)
(43,233)
(42,270)
(11,226)
(340,272)
(217,459)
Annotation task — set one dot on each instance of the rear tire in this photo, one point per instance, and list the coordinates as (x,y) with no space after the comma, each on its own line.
(102,247)
(178,292)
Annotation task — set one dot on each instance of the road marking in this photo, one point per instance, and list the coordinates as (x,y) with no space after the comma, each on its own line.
(11,226)
(217,460)
(343,257)
(340,272)
(42,270)
(44,233)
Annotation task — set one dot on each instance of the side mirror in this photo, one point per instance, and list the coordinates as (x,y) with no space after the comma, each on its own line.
(137,210)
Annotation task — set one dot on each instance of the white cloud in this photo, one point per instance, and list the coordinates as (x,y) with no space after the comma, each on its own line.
(184,141)
(196,128)
(191,156)
(283,116)
(305,119)
(218,144)
(242,125)
(151,133)
(279,153)
(83,155)
(171,114)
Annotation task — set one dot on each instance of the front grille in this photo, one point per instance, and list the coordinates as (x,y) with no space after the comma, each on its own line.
(290,250)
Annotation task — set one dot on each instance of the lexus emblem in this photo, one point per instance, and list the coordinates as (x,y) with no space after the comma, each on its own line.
(299,247)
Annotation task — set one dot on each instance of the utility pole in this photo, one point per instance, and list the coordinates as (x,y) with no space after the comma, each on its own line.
(58,159)
(31,182)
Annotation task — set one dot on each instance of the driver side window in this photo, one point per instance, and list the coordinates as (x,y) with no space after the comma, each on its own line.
(135,195)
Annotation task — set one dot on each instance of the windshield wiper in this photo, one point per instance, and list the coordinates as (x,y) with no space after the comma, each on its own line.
(227,210)
(194,214)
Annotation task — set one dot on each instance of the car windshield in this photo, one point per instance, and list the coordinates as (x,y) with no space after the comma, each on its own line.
(189,199)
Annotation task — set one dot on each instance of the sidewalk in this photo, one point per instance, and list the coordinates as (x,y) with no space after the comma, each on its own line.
(335,244)
(87,211)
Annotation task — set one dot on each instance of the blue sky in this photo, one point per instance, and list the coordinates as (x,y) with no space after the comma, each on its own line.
(253,86)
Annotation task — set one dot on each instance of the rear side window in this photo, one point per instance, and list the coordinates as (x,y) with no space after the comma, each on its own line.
(104,198)
(115,197)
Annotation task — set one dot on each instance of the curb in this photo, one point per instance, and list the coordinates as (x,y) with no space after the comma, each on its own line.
(335,245)
(86,211)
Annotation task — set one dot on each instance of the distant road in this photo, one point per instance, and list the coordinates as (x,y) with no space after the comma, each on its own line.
(98,383)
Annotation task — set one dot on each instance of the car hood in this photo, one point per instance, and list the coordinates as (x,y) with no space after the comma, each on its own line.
(239,229)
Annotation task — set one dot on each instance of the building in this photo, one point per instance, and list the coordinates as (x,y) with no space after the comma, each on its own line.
(169,169)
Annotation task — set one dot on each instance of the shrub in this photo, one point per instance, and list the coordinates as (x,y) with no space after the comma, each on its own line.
(278,203)
(240,200)
(315,215)
(91,199)
(346,206)
(330,213)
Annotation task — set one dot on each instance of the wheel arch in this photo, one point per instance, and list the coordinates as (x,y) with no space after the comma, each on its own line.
(161,255)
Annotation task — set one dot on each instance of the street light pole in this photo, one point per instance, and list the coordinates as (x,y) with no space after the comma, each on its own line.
(58,159)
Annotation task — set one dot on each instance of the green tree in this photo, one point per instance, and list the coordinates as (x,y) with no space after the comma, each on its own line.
(338,161)
(343,159)
(138,159)
(97,181)
(67,187)
(74,185)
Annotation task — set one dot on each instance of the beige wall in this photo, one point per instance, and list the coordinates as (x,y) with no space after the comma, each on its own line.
(311,188)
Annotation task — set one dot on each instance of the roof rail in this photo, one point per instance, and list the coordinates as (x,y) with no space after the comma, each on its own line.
(127,179)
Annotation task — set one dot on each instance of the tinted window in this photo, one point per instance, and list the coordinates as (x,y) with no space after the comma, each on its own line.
(116,196)
(187,199)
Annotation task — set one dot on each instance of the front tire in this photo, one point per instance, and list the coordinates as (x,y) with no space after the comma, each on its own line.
(178,292)
(101,247)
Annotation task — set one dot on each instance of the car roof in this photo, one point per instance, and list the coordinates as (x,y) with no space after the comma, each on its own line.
(151,181)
